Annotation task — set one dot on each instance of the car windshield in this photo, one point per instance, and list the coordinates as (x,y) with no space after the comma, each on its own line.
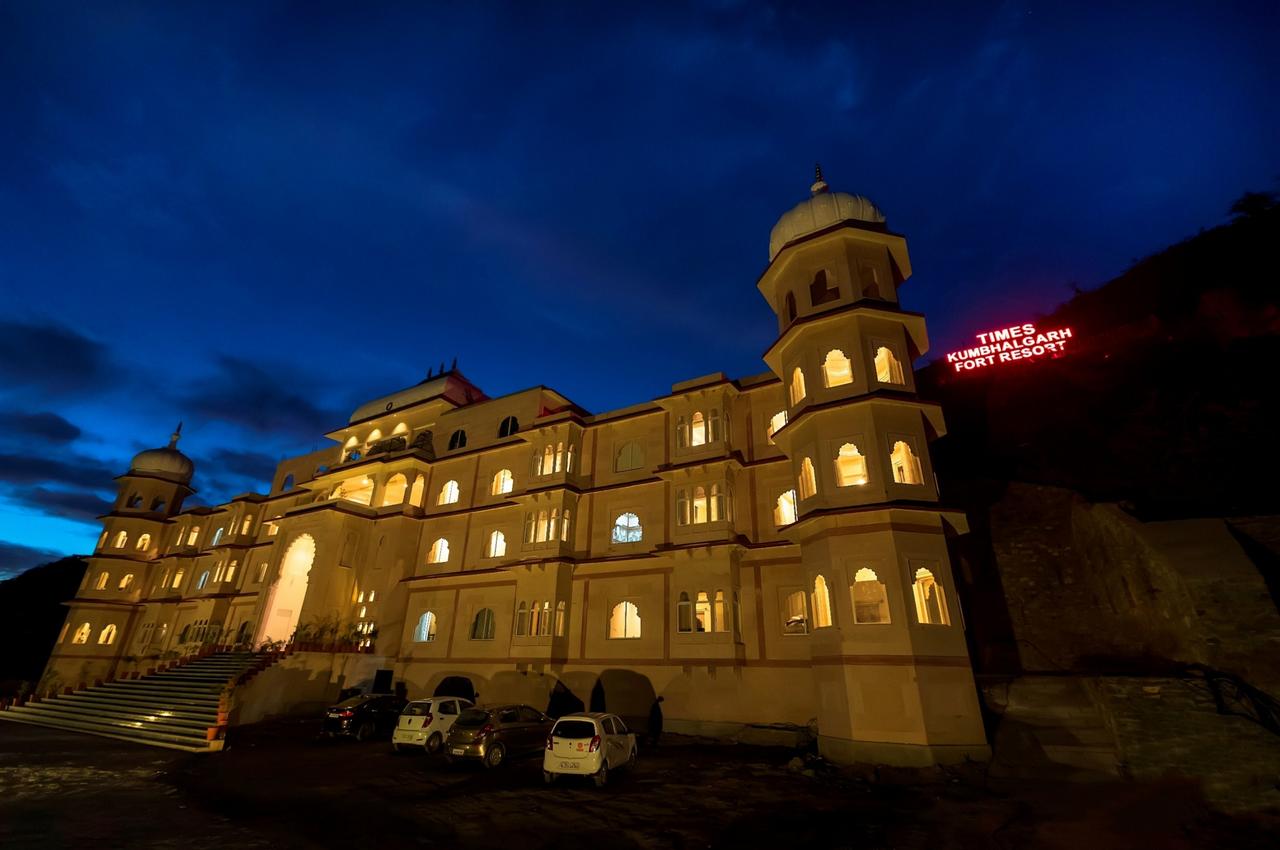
(417,709)
(574,729)
(354,701)
(473,717)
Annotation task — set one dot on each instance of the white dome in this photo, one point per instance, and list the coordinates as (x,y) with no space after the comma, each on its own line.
(822,210)
(167,462)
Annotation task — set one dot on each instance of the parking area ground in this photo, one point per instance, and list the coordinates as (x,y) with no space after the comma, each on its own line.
(278,787)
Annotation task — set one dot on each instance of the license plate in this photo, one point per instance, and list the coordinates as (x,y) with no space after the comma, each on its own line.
(457,751)
(568,765)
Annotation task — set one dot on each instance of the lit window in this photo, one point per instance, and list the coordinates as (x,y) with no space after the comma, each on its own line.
(231,570)
(700,505)
(203,580)
(482,625)
(363,610)
(626,529)
(560,618)
(144,542)
(564,527)
(870,602)
(719,510)
(821,603)
(102,540)
(426,628)
(775,425)
(543,627)
(906,466)
(698,430)
(108,635)
(415,493)
(177,578)
(121,539)
(797,386)
(836,369)
(373,594)
(795,617)
(624,621)
(808,481)
(931,604)
(458,440)
(497,544)
(851,466)
(193,536)
(125,581)
(82,634)
(439,551)
(888,369)
(393,492)
(503,482)
(508,426)
(246,525)
(719,612)
(784,512)
(360,598)
(702,613)
(103,578)
(684,613)
(358,489)
(522,620)
(262,572)
(630,456)
(448,493)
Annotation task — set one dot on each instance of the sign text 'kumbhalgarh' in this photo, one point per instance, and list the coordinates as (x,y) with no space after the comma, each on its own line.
(1020,342)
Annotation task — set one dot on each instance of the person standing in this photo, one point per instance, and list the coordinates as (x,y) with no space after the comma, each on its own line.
(655,722)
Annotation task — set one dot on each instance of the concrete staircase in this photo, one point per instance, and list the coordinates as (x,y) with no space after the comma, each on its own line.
(180,708)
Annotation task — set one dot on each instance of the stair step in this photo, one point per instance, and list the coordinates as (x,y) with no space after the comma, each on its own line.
(193,713)
(206,703)
(123,718)
(142,736)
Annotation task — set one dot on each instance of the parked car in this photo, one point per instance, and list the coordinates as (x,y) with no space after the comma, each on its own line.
(424,723)
(494,733)
(588,745)
(363,717)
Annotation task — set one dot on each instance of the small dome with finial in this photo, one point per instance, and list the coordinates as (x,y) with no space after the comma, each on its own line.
(167,463)
(823,209)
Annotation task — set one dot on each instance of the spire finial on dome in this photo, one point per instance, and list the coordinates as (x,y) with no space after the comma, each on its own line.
(175,436)
(819,185)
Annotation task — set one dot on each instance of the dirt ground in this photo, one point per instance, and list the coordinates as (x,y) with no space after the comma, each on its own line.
(276,786)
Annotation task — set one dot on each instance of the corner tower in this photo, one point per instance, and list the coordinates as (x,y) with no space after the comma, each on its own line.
(892,677)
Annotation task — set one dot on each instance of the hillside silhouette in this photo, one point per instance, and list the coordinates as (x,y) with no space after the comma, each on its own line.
(31,605)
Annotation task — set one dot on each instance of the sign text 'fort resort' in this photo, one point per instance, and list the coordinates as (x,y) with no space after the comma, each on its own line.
(1020,342)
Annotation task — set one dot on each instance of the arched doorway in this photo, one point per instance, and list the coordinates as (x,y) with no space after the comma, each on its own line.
(284,599)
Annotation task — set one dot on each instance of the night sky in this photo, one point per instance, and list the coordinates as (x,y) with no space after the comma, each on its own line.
(252,217)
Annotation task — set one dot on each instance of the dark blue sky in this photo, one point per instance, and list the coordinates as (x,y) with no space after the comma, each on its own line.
(253,216)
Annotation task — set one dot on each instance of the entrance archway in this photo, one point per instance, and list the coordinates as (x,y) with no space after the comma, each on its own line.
(284,600)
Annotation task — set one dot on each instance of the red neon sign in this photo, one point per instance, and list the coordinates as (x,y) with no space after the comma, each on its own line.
(1020,342)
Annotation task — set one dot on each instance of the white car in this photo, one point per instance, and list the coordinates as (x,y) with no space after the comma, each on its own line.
(588,745)
(425,723)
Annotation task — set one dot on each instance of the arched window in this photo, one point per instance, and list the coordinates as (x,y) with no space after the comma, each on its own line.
(821,603)
(508,426)
(870,602)
(448,493)
(231,570)
(287,484)
(107,636)
(497,544)
(906,466)
(836,369)
(82,634)
(503,482)
(425,632)
(401,428)
(439,551)
(702,613)
(125,581)
(700,505)
(931,604)
(698,429)
(482,625)
(177,578)
(543,628)
(851,466)
(522,619)
(791,307)
(103,578)
(560,618)
(718,505)
(626,529)
(217,537)
(784,512)
(458,440)
(203,580)
(135,501)
(808,481)
(415,492)
(157,504)
(797,386)
(194,536)
(122,538)
(888,369)
(624,621)
(393,492)
(374,436)
(778,420)
(682,433)
(820,292)
(684,613)
(682,506)
(102,540)
(358,489)
(564,527)
(795,616)
(718,619)
(630,456)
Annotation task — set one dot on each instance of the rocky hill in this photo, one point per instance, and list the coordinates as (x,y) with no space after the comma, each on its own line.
(31,606)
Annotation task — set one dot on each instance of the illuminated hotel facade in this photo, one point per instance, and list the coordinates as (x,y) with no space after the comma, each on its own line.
(766,550)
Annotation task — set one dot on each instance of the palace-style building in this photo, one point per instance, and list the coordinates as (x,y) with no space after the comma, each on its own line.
(757,551)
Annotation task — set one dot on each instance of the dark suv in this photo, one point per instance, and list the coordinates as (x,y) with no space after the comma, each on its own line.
(492,733)
(363,717)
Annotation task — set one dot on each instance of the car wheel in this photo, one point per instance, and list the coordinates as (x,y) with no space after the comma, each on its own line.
(548,777)
(631,759)
(434,743)
(494,756)
(395,748)
(365,731)
(601,777)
